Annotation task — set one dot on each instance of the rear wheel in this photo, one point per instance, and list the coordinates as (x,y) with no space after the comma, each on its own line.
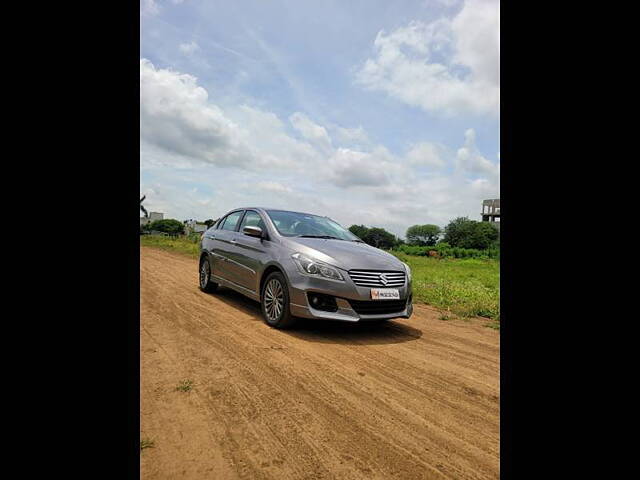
(206,285)
(275,302)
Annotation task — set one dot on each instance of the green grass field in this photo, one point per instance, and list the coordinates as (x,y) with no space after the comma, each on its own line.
(186,245)
(460,287)
(465,287)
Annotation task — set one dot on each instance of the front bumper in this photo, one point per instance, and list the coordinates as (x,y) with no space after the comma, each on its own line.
(300,285)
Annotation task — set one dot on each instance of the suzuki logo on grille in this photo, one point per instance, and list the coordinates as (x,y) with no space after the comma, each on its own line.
(383,279)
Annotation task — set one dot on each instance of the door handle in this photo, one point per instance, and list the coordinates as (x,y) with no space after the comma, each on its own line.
(234,241)
(211,237)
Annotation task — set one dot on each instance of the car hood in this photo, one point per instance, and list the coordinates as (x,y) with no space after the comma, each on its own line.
(346,255)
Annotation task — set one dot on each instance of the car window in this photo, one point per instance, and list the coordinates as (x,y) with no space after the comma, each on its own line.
(252,219)
(219,223)
(231,221)
(294,224)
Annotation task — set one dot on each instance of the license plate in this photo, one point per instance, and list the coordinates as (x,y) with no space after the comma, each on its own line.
(385,294)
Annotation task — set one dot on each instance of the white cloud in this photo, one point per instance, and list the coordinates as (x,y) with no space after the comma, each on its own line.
(450,66)
(426,154)
(189,48)
(177,117)
(477,32)
(313,132)
(351,136)
(349,168)
(152,7)
(446,3)
(199,160)
(149,7)
(376,191)
(273,187)
(470,161)
(269,142)
(177,202)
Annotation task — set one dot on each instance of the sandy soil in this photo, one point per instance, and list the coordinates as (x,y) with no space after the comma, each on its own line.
(409,399)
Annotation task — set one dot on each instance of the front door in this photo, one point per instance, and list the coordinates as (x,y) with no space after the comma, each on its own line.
(250,251)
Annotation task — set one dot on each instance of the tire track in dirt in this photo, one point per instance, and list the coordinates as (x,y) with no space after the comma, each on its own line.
(415,398)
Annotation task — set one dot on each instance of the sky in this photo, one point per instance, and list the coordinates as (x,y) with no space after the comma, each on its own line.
(382,113)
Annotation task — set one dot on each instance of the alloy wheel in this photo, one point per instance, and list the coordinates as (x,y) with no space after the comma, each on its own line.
(204,274)
(273,299)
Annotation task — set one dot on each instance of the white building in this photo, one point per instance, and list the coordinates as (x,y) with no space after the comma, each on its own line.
(195,227)
(153,216)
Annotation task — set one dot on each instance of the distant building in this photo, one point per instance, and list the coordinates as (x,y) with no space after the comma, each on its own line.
(153,216)
(192,226)
(491,211)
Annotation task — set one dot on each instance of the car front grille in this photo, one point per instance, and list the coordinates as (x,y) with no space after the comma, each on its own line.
(378,307)
(373,278)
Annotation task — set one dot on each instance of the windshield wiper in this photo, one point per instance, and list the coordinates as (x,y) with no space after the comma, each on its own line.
(319,236)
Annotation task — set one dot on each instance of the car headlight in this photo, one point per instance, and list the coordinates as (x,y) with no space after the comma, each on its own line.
(316,268)
(408,269)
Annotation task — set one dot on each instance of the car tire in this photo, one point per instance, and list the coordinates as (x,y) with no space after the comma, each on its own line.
(274,302)
(204,277)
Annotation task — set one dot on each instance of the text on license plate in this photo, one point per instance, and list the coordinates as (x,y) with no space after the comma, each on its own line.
(385,294)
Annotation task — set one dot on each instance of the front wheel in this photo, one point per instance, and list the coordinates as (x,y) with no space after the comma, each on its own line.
(275,302)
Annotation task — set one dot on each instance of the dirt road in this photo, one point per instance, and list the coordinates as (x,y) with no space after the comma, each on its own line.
(409,399)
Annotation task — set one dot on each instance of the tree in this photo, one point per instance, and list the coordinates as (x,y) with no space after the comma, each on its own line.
(380,238)
(423,234)
(359,231)
(485,235)
(465,233)
(168,225)
(375,236)
(458,232)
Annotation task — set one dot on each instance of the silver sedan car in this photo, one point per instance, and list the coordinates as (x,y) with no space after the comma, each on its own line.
(302,265)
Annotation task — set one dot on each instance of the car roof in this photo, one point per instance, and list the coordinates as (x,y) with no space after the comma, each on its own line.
(264,209)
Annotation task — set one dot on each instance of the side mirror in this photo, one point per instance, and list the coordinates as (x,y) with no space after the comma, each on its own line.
(252,231)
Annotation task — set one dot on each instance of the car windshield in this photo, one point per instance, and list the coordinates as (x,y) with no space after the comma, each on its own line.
(294,224)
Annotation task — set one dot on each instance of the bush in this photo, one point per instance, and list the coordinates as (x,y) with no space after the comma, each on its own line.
(485,234)
(376,237)
(445,251)
(359,231)
(465,233)
(168,225)
(194,237)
